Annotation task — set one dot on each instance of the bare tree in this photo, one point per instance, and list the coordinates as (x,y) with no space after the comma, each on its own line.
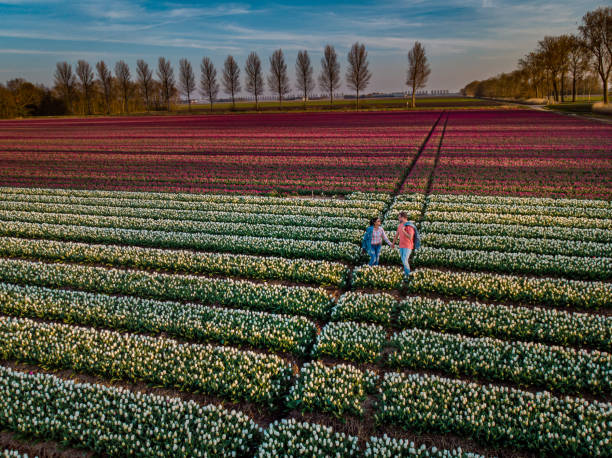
(551,52)
(578,60)
(254,76)
(106,80)
(165,73)
(65,81)
(231,78)
(303,73)
(86,76)
(418,69)
(596,32)
(358,76)
(535,73)
(123,76)
(329,79)
(208,80)
(278,80)
(187,79)
(145,81)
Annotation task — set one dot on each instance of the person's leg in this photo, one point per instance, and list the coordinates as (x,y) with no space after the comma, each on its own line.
(405,255)
(376,253)
(372,253)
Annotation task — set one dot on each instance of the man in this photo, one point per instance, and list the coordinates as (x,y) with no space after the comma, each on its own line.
(405,234)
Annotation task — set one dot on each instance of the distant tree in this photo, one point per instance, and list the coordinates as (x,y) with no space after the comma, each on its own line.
(329,79)
(578,59)
(596,34)
(208,80)
(187,79)
(254,76)
(418,69)
(106,80)
(65,82)
(231,78)
(86,76)
(357,75)
(144,77)
(165,73)
(123,77)
(535,73)
(24,97)
(554,54)
(303,73)
(278,80)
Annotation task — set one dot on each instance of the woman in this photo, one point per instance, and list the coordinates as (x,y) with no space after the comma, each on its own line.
(372,240)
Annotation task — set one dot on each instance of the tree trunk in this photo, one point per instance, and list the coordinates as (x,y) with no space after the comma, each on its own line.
(574,87)
(211,103)
(605,89)
(357,99)
(555,90)
(562,87)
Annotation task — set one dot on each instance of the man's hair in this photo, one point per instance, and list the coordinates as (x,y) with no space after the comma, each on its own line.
(403,215)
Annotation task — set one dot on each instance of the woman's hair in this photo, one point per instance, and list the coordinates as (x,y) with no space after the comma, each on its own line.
(403,215)
(373,220)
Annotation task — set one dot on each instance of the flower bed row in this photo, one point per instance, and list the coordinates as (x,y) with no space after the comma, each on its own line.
(237,265)
(188,215)
(588,268)
(114,422)
(496,415)
(507,322)
(357,342)
(524,209)
(571,235)
(200,227)
(353,306)
(339,389)
(515,244)
(555,292)
(293,334)
(295,209)
(519,201)
(522,220)
(221,371)
(209,242)
(355,199)
(524,363)
(293,300)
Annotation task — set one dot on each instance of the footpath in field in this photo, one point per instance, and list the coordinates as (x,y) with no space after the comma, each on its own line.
(243,324)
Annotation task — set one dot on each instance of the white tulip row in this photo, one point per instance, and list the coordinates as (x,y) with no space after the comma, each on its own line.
(13,454)
(508,322)
(353,306)
(497,415)
(582,267)
(525,363)
(118,422)
(339,389)
(516,244)
(523,220)
(240,207)
(386,447)
(288,333)
(520,201)
(162,239)
(294,300)
(524,209)
(292,438)
(356,199)
(569,235)
(359,342)
(347,221)
(233,265)
(219,371)
(200,227)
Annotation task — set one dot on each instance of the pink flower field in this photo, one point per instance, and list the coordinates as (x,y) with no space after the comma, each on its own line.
(513,152)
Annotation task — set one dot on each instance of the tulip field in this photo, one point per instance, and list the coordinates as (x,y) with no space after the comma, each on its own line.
(195,286)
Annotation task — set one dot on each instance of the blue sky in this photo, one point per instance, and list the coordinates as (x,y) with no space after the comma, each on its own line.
(464,39)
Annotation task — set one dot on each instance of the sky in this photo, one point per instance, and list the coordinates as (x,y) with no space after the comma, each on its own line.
(464,39)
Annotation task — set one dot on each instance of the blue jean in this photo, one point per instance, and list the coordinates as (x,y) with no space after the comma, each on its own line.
(405,255)
(374,253)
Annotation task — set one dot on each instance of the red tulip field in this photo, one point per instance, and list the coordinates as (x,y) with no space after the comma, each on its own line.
(196,286)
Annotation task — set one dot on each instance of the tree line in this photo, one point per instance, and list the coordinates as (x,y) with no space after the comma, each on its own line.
(559,64)
(101,90)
